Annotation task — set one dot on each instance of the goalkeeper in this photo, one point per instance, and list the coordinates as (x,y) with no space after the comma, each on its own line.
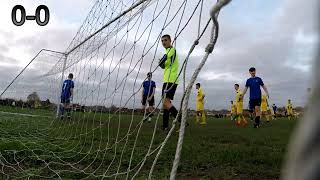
(170,64)
(66,96)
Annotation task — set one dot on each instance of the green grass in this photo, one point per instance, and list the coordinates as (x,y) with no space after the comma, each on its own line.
(82,147)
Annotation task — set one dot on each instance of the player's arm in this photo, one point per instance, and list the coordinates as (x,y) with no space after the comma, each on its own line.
(203,95)
(142,92)
(71,92)
(264,87)
(245,91)
(153,91)
(71,89)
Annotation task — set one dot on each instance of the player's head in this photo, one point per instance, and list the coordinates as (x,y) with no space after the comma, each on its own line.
(198,85)
(289,100)
(231,102)
(252,71)
(70,76)
(236,86)
(166,41)
(273,104)
(149,75)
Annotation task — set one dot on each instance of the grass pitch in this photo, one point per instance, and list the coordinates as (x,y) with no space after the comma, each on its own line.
(93,145)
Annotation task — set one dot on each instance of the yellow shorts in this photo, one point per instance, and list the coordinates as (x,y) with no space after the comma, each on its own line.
(264,108)
(239,108)
(200,106)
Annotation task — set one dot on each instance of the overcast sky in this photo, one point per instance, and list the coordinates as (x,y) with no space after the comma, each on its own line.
(278,37)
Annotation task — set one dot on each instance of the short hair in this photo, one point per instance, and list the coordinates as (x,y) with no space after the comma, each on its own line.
(149,74)
(236,85)
(252,69)
(198,84)
(70,76)
(166,36)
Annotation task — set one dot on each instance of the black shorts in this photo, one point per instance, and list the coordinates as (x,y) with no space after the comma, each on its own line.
(65,100)
(253,103)
(168,90)
(144,100)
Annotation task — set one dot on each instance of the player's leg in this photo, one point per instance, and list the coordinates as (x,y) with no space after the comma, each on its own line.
(244,121)
(257,105)
(68,109)
(237,119)
(143,103)
(268,116)
(62,108)
(166,103)
(238,115)
(203,118)
(251,109)
(150,109)
(198,115)
(171,90)
(263,115)
(290,115)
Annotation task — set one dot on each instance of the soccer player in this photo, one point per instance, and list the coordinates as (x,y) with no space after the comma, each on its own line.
(148,91)
(233,110)
(170,64)
(254,83)
(66,96)
(200,106)
(264,107)
(274,108)
(289,109)
(240,119)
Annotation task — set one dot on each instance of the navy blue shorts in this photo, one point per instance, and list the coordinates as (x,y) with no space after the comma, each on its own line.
(253,103)
(65,100)
(169,90)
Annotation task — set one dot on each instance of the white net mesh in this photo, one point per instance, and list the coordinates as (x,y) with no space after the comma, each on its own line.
(118,43)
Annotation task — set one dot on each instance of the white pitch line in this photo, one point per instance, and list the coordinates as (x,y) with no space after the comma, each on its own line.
(21,114)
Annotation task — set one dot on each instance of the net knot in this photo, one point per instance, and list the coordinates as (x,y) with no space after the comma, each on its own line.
(209,48)
(196,42)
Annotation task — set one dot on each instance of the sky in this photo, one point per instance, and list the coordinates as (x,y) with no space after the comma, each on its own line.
(278,37)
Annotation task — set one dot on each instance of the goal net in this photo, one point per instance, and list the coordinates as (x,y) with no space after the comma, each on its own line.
(105,134)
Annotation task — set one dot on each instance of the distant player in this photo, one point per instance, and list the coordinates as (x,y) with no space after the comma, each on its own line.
(148,91)
(233,110)
(272,114)
(170,64)
(200,106)
(239,118)
(254,83)
(289,110)
(66,97)
(274,108)
(264,107)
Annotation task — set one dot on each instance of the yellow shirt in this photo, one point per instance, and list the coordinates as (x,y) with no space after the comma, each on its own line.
(239,98)
(264,103)
(200,100)
(289,107)
(171,69)
(233,108)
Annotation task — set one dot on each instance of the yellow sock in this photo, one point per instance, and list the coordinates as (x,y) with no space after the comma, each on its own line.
(204,118)
(197,119)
